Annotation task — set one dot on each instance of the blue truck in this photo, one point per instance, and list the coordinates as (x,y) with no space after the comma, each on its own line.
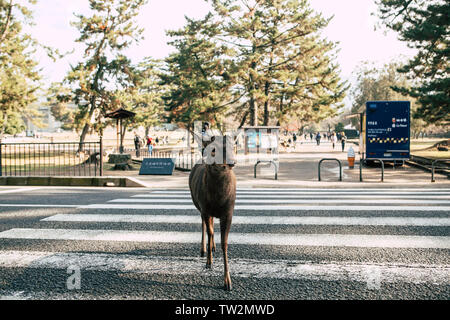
(387,130)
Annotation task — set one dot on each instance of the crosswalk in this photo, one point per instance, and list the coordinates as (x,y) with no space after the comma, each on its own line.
(265,220)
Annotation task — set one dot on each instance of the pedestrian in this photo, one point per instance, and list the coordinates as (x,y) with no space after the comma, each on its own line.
(137,144)
(149,145)
(343,139)
(294,138)
(318,137)
(334,139)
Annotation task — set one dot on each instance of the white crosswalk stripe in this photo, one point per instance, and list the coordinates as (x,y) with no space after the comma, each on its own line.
(383,208)
(291,201)
(270,220)
(268,207)
(331,240)
(293,269)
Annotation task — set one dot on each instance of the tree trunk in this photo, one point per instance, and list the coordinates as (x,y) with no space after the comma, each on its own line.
(87,126)
(7,23)
(244,118)
(266,103)
(83,136)
(281,104)
(253,111)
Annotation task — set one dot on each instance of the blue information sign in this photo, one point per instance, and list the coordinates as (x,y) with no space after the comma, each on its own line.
(157,166)
(387,130)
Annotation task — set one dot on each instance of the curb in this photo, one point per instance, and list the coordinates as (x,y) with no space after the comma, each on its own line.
(72,181)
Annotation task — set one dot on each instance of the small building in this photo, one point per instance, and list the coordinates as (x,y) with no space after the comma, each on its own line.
(261,139)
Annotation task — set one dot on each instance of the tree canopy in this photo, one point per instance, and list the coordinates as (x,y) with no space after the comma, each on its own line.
(263,61)
(19,77)
(197,75)
(104,72)
(424,25)
(376,84)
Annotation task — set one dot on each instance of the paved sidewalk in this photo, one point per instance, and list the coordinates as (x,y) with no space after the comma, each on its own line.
(299,169)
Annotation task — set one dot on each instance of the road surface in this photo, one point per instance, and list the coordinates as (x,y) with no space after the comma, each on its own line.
(113,243)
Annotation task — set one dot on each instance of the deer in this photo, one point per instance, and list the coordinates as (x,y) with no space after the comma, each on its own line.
(212,184)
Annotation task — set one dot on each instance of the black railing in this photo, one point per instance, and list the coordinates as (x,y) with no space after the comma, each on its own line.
(434,167)
(51,159)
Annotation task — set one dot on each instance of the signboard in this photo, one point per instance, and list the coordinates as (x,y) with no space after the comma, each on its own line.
(157,166)
(387,128)
(251,142)
(268,141)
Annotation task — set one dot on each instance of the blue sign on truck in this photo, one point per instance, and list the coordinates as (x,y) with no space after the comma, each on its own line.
(387,128)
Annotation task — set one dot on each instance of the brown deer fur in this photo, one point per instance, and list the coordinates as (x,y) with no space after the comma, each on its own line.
(213,191)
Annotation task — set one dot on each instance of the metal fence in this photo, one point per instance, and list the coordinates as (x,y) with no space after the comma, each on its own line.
(185,159)
(51,159)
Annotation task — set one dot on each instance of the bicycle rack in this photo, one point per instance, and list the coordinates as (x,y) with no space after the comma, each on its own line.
(382,169)
(266,161)
(433,167)
(332,159)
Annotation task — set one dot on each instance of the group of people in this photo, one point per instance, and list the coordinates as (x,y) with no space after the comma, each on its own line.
(333,137)
(148,141)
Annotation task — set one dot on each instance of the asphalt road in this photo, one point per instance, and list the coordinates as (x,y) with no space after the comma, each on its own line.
(100,243)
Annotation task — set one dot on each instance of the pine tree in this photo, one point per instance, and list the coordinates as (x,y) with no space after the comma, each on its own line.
(143,96)
(197,75)
(424,25)
(284,67)
(19,79)
(104,71)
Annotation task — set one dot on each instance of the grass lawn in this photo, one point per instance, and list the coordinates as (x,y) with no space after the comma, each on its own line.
(419,146)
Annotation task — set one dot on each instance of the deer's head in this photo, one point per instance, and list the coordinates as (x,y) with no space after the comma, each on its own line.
(218,151)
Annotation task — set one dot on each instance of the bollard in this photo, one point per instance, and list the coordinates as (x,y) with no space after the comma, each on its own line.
(351,158)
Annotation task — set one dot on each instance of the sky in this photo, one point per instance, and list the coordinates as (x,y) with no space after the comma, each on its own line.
(352,26)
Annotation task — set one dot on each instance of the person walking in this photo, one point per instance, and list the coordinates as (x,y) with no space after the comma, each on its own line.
(149,145)
(318,137)
(343,139)
(334,139)
(294,138)
(137,144)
